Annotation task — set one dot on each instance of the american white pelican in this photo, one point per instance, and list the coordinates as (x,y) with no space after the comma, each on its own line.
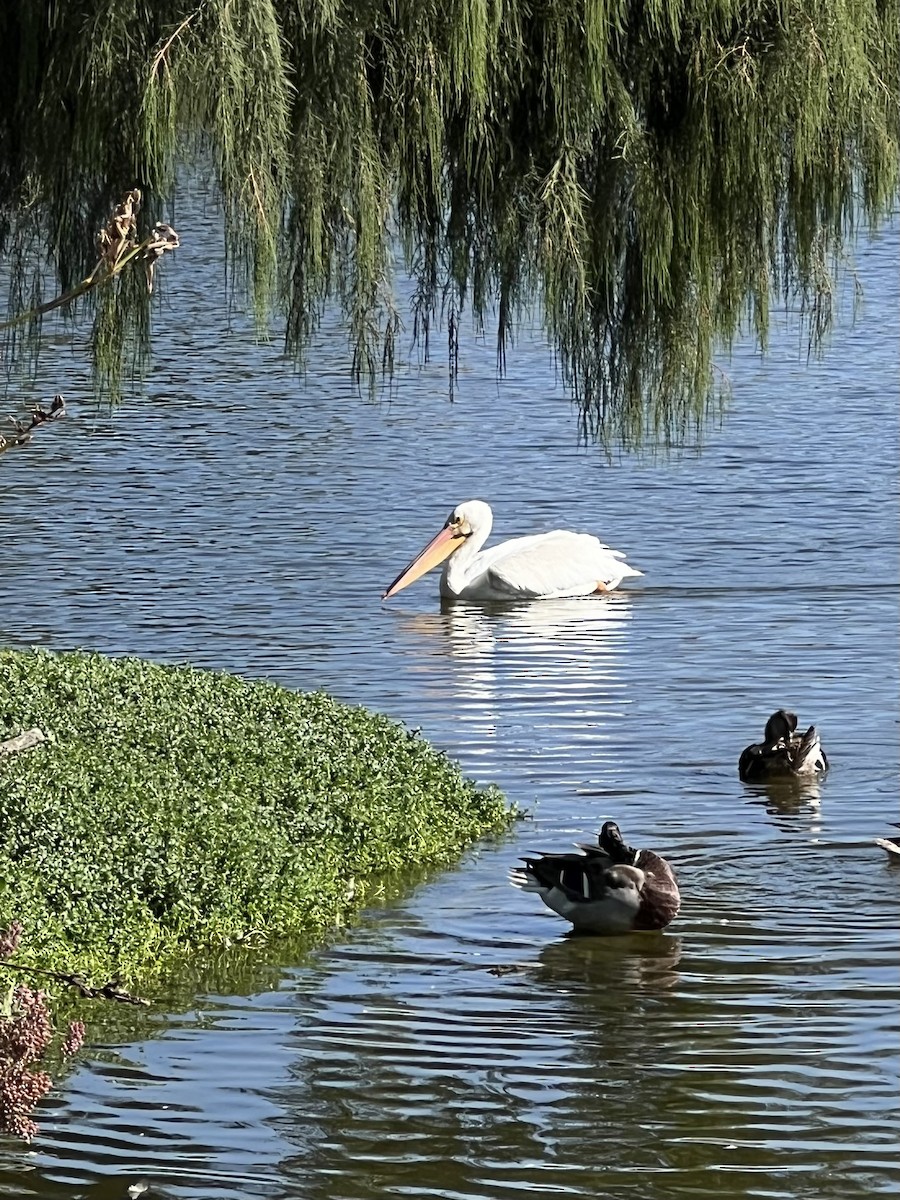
(541,567)
(608,888)
(783,753)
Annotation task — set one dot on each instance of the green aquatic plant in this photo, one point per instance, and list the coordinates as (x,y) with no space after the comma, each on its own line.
(173,808)
(649,175)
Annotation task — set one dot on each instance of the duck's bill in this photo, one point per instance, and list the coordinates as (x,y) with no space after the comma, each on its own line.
(433,555)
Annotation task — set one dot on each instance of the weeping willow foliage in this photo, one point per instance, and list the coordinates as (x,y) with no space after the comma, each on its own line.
(648,174)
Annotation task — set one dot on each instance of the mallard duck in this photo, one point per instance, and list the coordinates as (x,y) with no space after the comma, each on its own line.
(783,753)
(604,889)
(892,845)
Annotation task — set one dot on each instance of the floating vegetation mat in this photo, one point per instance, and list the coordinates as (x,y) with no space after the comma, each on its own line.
(172,808)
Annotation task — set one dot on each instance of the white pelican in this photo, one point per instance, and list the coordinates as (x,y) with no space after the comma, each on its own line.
(541,567)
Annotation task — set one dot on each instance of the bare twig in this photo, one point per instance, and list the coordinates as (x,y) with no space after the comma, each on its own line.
(118,248)
(39,415)
(162,239)
(109,991)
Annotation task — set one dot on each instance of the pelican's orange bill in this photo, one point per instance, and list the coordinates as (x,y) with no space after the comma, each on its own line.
(435,552)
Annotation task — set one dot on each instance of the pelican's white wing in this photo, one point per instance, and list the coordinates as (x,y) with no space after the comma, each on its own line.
(559,563)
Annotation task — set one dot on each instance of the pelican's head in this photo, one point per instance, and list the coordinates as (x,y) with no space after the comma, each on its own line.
(473,518)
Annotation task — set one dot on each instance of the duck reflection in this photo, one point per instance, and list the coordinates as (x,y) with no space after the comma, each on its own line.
(792,804)
(426,1075)
(638,962)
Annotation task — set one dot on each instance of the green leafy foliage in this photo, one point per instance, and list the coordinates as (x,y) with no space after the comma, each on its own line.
(177,808)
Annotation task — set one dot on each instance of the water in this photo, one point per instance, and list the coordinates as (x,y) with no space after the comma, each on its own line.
(455,1043)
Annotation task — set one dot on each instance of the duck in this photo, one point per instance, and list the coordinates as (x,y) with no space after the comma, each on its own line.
(892,845)
(608,888)
(783,753)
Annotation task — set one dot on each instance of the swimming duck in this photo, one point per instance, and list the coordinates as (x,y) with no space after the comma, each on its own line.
(604,889)
(892,845)
(783,753)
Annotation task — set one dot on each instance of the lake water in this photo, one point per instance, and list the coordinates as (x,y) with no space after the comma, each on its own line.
(455,1043)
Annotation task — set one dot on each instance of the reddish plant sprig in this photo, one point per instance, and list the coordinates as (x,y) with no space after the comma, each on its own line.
(25,1035)
(10,938)
(73,1040)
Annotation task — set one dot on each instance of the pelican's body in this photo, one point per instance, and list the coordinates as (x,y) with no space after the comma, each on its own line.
(541,567)
(604,889)
(783,753)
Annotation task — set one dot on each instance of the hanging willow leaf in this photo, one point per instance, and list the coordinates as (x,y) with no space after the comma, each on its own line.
(645,174)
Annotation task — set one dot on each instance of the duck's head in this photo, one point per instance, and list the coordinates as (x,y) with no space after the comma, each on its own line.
(613,844)
(780,725)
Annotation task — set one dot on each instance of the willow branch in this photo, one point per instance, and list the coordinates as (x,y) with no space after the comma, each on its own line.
(162,52)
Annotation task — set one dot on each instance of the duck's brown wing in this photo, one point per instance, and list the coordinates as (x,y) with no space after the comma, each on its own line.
(660,897)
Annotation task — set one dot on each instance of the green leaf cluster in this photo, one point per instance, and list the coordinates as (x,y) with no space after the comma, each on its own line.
(176,808)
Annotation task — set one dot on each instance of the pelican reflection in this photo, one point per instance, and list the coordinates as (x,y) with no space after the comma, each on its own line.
(536,665)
